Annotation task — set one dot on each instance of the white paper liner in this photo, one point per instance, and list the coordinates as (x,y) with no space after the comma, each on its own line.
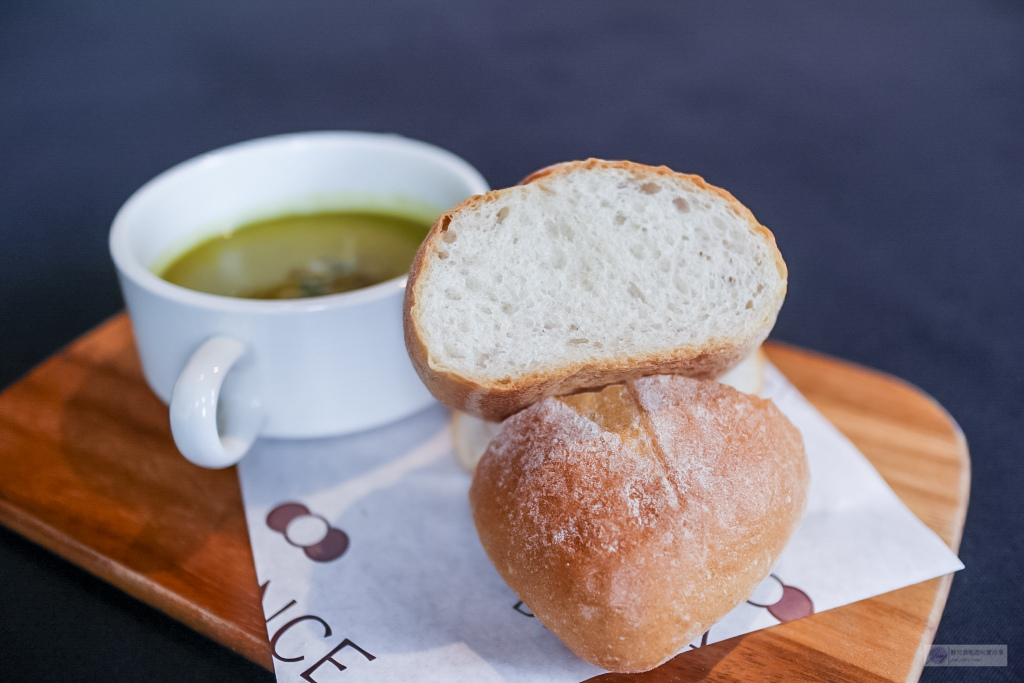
(414,590)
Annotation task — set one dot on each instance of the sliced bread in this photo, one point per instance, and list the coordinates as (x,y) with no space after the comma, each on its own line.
(587,274)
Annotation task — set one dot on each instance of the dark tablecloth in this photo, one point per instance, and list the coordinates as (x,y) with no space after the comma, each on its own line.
(882,143)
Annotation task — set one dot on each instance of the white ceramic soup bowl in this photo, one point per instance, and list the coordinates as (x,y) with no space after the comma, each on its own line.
(234,369)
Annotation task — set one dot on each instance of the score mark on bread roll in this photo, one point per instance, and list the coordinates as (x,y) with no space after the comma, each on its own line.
(632,519)
(471,434)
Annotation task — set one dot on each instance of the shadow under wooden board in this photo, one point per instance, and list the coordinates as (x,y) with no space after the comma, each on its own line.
(88,470)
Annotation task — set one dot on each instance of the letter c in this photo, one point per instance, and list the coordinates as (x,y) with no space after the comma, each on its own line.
(280,632)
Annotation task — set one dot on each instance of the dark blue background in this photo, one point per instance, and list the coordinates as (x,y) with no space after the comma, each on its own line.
(882,143)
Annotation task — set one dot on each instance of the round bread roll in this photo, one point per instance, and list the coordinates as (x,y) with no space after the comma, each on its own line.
(471,434)
(632,519)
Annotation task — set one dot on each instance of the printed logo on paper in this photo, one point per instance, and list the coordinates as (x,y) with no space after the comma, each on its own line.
(303,529)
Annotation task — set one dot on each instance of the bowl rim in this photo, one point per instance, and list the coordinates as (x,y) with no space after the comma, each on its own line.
(129,267)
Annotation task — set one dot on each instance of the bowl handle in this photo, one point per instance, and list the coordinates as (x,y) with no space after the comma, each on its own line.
(215,423)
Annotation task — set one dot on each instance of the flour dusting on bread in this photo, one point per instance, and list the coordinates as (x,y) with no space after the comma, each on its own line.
(631,519)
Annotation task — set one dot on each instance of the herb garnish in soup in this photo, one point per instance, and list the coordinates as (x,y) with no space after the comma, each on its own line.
(301,256)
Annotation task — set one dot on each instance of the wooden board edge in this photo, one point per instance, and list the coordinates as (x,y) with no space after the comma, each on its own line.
(138,586)
(931,626)
(942,594)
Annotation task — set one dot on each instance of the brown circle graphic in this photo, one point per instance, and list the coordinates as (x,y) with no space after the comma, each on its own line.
(333,546)
(280,516)
(794,603)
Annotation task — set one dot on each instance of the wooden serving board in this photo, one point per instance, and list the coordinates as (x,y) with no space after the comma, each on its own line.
(88,470)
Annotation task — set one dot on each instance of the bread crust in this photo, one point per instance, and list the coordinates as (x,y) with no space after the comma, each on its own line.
(631,520)
(496,400)
(471,435)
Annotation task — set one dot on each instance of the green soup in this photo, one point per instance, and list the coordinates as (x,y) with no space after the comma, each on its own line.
(301,256)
